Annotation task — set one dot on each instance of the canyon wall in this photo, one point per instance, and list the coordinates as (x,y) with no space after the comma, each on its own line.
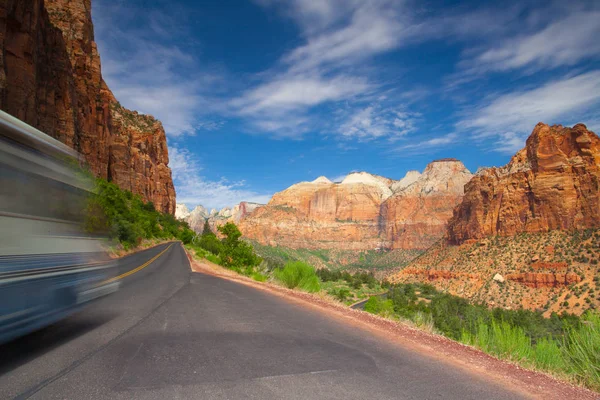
(553,183)
(50,78)
(362,212)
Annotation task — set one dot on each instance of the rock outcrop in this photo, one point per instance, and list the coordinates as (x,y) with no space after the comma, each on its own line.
(553,183)
(544,279)
(50,78)
(362,212)
(416,216)
(198,216)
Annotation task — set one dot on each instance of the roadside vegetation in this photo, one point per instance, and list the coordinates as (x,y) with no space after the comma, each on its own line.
(127,219)
(565,345)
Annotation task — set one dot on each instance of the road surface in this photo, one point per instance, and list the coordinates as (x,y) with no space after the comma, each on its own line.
(170,333)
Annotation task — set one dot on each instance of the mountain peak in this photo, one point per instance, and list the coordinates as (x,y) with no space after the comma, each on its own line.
(322,179)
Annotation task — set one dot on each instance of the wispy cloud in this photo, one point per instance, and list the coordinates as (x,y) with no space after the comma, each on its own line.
(427,145)
(339,36)
(374,122)
(566,41)
(146,71)
(193,189)
(509,117)
(299,92)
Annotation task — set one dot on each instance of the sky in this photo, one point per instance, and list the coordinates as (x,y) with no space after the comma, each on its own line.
(258,95)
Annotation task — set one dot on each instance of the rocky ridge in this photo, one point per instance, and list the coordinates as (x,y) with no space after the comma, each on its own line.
(363,212)
(197,217)
(553,183)
(50,78)
(526,234)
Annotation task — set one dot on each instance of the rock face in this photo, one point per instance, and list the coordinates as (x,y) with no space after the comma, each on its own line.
(553,183)
(416,215)
(544,279)
(50,78)
(199,215)
(362,212)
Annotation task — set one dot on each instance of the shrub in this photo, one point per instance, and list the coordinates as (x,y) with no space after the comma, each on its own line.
(298,275)
(259,277)
(379,306)
(342,294)
(211,243)
(214,259)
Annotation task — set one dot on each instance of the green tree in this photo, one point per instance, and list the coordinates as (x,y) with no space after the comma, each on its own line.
(206,230)
(235,252)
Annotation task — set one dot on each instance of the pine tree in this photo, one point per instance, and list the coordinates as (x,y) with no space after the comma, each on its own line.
(206,230)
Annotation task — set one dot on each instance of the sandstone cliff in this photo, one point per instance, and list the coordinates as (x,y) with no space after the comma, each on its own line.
(362,212)
(50,78)
(416,216)
(553,183)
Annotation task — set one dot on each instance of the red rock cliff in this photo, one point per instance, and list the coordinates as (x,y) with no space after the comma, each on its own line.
(362,212)
(50,78)
(553,183)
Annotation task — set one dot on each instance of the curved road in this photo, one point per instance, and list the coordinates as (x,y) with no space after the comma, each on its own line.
(170,333)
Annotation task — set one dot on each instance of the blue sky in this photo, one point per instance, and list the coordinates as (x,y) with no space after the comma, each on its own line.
(258,95)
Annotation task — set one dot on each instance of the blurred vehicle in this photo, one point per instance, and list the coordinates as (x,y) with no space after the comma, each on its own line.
(48,266)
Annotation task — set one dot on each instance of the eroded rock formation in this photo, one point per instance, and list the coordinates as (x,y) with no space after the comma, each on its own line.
(198,216)
(50,78)
(553,183)
(362,212)
(416,216)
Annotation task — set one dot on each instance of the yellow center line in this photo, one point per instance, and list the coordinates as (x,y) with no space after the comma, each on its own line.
(133,271)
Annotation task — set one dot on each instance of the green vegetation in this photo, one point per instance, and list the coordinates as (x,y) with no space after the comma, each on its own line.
(298,275)
(349,288)
(125,217)
(348,260)
(563,344)
(230,252)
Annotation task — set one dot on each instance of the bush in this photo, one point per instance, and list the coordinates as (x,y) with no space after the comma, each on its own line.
(211,243)
(259,277)
(379,306)
(125,217)
(298,275)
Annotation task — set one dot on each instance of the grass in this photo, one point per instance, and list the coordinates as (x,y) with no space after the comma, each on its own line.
(298,275)
(257,276)
(582,349)
(564,345)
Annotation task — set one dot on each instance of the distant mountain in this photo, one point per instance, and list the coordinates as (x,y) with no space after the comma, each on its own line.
(363,212)
(199,215)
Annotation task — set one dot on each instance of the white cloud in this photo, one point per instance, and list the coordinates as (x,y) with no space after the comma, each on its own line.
(563,42)
(193,189)
(299,92)
(373,122)
(337,35)
(428,144)
(147,72)
(373,27)
(511,116)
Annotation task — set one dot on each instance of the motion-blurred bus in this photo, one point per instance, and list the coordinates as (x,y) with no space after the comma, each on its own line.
(48,267)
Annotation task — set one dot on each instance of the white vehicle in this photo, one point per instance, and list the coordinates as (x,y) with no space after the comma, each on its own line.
(48,266)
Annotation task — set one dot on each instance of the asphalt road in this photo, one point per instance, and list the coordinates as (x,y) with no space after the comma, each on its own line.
(170,333)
